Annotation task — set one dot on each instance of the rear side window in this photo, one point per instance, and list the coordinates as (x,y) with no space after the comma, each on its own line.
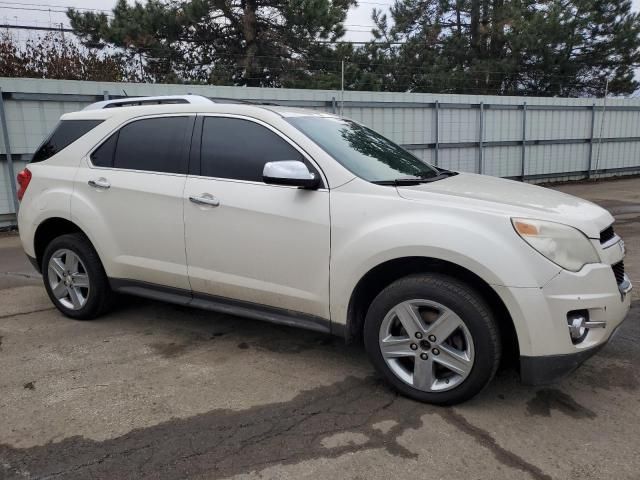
(153,144)
(238,149)
(65,133)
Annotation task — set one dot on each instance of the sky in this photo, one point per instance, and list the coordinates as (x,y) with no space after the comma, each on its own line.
(47,12)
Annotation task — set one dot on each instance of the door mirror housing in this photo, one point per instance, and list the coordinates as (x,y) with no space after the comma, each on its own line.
(290,172)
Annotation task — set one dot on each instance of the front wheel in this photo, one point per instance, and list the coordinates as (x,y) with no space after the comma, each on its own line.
(433,338)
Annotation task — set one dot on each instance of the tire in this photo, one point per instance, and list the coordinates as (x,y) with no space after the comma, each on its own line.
(401,321)
(88,302)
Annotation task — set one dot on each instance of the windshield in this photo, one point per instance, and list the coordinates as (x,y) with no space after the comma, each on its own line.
(362,151)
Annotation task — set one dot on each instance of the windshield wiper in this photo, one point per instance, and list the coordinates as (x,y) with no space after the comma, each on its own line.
(398,182)
(446,173)
(403,182)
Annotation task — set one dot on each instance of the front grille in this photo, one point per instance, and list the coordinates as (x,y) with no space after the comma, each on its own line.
(618,271)
(607,234)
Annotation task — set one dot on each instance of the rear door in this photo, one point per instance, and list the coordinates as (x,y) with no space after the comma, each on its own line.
(254,242)
(130,198)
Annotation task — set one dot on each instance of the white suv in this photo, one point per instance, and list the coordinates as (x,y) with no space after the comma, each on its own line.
(311,220)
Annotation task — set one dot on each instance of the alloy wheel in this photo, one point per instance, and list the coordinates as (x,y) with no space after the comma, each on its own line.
(426,345)
(68,279)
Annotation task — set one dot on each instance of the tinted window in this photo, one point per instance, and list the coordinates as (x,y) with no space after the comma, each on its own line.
(238,149)
(363,151)
(103,155)
(65,133)
(154,144)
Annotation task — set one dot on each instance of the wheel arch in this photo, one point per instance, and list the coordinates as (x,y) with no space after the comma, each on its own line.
(382,275)
(49,229)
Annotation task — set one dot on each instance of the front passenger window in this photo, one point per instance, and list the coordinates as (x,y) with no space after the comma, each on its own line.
(238,149)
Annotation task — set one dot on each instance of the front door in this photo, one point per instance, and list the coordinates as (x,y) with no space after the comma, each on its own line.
(247,240)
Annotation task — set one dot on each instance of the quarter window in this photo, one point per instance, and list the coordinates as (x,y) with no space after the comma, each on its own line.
(65,133)
(103,155)
(238,149)
(152,144)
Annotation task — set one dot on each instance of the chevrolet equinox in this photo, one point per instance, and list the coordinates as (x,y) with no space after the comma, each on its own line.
(308,219)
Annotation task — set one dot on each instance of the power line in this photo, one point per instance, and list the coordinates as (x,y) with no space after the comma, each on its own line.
(43,7)
(49,10)
(107,10)
(355,30)
(29,27)
(29,9)
(376,3)
(70,30)
(21,4)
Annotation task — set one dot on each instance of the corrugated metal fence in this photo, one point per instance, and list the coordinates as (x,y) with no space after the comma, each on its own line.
(533,139)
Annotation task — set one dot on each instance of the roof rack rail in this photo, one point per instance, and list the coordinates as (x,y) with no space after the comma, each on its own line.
(240,101)
(245,101)
(146,101)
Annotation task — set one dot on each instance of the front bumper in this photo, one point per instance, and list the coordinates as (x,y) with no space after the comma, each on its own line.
(550,368)
(547,352)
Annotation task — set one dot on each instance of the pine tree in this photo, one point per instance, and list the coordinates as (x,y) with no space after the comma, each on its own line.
(548,47)
(237,42)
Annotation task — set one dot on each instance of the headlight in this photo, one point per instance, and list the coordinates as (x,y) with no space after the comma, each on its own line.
(563,245)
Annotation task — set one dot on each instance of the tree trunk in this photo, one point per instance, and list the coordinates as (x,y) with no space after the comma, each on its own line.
(475,28)
(484,29)
(250,32)
(496,40)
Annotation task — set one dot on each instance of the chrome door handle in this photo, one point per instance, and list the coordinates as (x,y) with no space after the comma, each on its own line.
(100,183)
(205,199)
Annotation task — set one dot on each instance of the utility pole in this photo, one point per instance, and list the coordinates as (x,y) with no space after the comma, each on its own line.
(601,134)
(342,88)
(141,67)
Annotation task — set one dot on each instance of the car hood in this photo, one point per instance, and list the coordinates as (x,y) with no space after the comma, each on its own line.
(514,199)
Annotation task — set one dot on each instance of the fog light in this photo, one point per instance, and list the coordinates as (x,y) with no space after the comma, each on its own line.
(577,321)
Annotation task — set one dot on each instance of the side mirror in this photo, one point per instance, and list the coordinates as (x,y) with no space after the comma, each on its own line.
(290,172)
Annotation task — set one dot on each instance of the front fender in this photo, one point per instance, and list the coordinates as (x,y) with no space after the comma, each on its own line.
(480,242)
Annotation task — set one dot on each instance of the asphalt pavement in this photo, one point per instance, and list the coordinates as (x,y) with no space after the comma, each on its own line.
(159,391)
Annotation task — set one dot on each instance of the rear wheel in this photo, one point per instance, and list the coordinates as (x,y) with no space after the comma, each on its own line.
(433,338)
(74,277)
